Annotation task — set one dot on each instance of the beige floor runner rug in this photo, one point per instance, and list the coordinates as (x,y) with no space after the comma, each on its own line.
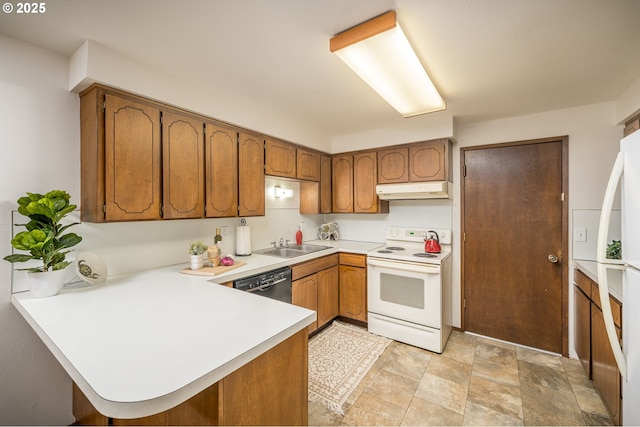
(339,357)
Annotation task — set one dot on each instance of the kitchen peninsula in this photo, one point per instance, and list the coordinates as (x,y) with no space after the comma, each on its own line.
(175,349)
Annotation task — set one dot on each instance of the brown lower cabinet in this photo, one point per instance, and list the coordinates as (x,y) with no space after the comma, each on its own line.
(315,286)
(592,343)
(333,285)
(272,389)
(353,286)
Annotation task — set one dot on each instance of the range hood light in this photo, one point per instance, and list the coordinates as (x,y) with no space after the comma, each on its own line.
(414,191)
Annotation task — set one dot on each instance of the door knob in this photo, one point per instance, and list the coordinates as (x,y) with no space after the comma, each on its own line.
(553,258)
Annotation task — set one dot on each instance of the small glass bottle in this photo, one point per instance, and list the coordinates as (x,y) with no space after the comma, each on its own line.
(215,250)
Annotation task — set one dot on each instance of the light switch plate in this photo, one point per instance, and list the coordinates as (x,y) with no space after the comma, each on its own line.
(579,234)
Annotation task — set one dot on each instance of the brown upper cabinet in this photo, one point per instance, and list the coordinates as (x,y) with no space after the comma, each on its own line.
(365,199)
(143,160)
(120,158)
(393,165)
(342,183)
(353,184)
(308,165)
(416,162)
(221,156)
(288,160)
(251,175)
(631,126)
(183,166)
(325,184)
(280,158)
(315,197)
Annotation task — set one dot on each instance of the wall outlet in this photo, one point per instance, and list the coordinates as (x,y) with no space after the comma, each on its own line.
(579,234)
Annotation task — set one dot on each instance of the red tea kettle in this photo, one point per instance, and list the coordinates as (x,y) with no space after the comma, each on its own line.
(432,244)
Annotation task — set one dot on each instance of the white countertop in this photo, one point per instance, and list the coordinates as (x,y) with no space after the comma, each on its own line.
(614,276)
(144,342)
(257,263)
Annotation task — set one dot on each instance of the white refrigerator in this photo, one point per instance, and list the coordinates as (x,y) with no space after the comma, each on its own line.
(626,172)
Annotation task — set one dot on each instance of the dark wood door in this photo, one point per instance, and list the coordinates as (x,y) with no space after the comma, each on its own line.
(514,220)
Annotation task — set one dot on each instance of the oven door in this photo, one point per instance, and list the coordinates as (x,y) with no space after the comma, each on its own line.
(405,290)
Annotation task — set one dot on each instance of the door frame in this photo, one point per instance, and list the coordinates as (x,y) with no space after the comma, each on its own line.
(564,258)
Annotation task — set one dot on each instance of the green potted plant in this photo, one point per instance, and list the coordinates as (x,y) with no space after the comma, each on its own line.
(196,250)
(44,240)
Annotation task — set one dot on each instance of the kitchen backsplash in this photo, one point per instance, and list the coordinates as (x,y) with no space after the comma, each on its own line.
(133,246)
(407,213)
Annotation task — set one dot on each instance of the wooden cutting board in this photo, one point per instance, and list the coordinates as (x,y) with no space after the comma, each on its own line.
(212,271)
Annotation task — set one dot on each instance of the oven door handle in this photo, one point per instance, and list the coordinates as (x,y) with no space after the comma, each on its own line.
(404,266)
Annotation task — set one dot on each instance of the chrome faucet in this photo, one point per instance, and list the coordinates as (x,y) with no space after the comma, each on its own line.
(282,242)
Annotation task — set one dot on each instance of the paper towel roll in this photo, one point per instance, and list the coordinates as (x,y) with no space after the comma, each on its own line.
(243,240)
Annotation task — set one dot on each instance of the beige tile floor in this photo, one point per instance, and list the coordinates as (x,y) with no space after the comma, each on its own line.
(475,381)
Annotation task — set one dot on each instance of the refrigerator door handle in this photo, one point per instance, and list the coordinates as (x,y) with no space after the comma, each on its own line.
(603,285)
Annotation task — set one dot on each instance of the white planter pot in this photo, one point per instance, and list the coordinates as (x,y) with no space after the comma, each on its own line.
(196,262)
(46,283)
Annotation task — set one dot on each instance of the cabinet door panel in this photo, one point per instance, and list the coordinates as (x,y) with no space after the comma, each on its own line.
(308,165)
(393,166)
(582,335)
(132,160)
(280,159)
(353,293)
(342,183)
(604,370)
(221,171)
(304,293)
(325,184)
(251,175)
(183,171)
(427,162)
(365,173)
(328,294)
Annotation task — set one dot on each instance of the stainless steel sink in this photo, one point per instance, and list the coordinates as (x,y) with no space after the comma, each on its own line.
(291,251)
(309,248)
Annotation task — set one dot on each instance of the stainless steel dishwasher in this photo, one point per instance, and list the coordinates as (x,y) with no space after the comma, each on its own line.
(274,284)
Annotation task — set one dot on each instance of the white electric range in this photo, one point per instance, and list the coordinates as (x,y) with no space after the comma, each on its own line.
(409,290)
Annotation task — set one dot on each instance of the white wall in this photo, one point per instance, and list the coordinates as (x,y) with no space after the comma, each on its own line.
(39,137)
(95,63)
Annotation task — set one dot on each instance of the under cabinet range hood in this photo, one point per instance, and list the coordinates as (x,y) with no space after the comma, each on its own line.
(414,190)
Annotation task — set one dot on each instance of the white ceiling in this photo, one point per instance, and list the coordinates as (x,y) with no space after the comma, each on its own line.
(489,58)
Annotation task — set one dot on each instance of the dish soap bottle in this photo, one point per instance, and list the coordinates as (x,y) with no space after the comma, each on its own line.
(299,236)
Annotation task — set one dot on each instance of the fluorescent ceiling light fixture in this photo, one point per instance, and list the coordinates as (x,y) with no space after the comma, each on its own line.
(378,51)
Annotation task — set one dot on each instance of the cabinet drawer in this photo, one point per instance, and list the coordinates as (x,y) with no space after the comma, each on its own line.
(353,259)
(582,281)
(616,307)
(306,268)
